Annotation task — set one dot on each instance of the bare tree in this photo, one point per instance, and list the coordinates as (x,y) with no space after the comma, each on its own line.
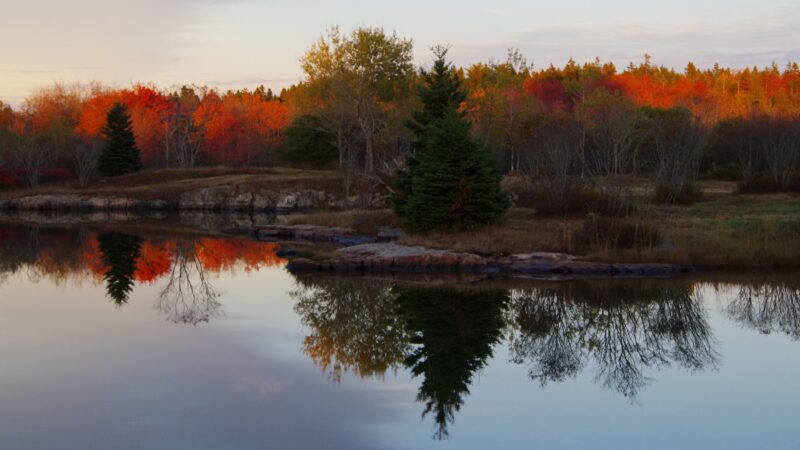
(31,153)
(552,151)
(85,153)
(610,120)
(678,143)
(780,147)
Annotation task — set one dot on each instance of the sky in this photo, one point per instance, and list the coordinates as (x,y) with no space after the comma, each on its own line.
(245,43)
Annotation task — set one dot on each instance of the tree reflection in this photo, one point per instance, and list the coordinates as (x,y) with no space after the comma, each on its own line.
(188,296)
(354,327)
(769,307)
(621,327)
(452,335)
(119,253)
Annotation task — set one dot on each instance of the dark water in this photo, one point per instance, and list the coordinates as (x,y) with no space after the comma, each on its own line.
(111,340)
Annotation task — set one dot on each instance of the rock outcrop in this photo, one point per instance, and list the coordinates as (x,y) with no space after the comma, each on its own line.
(217,198)
(394,258)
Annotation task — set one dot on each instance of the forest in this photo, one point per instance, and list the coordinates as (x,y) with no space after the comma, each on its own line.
(354,112)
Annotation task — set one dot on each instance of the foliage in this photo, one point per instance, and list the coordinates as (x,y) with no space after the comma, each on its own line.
(307,142)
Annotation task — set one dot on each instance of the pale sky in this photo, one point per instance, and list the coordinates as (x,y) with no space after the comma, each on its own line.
(244,43)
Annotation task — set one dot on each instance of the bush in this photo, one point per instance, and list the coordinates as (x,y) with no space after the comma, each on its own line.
(10,179)
(54,175)
(764,183)
(687,195)
(600,232)
(724,172)
(307,144)
(578,201)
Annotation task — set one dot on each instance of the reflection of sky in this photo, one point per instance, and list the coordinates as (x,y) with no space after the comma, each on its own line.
(242,43)
(80,373)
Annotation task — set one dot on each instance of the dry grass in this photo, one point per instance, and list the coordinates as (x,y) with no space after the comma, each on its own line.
(518,232)
(362,221)
(167,184)
(727,231)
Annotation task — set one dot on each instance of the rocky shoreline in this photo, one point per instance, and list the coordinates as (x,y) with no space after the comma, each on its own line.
(218,198)
(358,254)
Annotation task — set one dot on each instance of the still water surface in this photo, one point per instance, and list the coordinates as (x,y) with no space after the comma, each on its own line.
(112,340)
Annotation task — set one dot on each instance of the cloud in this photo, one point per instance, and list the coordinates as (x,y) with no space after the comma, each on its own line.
(756,41)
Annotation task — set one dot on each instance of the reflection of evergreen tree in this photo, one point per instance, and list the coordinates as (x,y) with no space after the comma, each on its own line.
(119,252)
(622,327)
(453,332)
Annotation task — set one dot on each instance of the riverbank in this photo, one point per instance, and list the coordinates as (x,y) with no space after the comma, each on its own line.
(724,231)
(254,190)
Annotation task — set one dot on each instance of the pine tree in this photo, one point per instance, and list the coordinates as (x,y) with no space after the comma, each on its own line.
(120,155)
(450,181)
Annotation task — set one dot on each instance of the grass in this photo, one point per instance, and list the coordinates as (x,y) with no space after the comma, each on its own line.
(167,184)
(724,231)
(362,221)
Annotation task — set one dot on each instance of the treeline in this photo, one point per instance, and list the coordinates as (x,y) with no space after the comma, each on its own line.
(355,111)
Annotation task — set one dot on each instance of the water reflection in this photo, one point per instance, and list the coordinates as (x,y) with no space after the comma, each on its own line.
(353,325)
(119,253)
(366,327)
(619,332)
(185,265)
(452,335)
(444,336)
(769,306)
(620,328)
(188,296)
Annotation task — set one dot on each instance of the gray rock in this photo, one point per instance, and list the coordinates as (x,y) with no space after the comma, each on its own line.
(390,234)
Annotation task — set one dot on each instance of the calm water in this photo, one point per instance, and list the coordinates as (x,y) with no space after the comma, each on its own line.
(112,340)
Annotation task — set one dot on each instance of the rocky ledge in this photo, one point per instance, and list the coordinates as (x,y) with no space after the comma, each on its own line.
(394,258)
(217,198)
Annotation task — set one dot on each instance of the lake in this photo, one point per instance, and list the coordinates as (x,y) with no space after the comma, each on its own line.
(157,340)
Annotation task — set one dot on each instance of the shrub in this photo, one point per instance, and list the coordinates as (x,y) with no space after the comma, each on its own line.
(764,183)
(307,144)
(54,175)
(578,201)
(9,179)
(600,232)
(687,194)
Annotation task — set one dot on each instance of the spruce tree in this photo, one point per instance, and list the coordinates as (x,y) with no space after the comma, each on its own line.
(449,181)
(120,155)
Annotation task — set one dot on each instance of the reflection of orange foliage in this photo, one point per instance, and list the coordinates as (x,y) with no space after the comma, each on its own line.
(155,260)
(58,259)
(93,258)
(222,254)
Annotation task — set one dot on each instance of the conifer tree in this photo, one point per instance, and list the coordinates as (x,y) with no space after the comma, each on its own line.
(120,154)
(449,181)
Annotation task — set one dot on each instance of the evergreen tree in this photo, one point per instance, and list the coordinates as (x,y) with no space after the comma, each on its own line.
(120,155)
(450,181)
